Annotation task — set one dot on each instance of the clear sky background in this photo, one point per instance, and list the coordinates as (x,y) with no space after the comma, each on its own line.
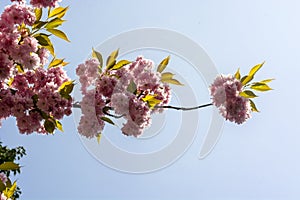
(257,160)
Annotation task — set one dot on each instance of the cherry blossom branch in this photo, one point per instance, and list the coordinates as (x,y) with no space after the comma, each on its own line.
(185,109)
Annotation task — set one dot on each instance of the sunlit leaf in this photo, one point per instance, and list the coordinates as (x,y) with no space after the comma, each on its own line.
(96,54)
(267,80)
(9,166)
(65,89)
(38,25)
(172,81)
(163,64)
(237,75)
(167,76)
(260,86)
(59,34)
(56,62)
(120,64)
(253,106)
(98,137)
(59,126)
(38,13)
(9,192)
(54,23)
(44,40)
(247,94)
(111,60)
(58,12)
(132,87)
(251,74)
(151,100)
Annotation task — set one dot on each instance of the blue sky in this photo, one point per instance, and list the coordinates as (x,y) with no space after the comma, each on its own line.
(257,160)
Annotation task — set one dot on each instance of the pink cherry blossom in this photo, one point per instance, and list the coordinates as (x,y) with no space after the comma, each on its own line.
(44,3)
(3,178)
(225,95)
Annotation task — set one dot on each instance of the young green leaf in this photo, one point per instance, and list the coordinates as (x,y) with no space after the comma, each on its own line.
(163,64)
(172,81)
(132,87)
(106,119)
(44,40)
(57,12)
(111,60)
(151,100)
(247,94)
(251,74)
(166,76)
(9,166)
(9,192)
(260,86)
(38,14)
(267,80)
(253,106)
(56,62)
(59,126)
(65,89)
(237,75)
(98,137)
(120,64)
(38,25)
(54,23)
(96,54)
(59,34)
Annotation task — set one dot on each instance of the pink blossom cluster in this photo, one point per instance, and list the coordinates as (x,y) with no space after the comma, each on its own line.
(121,91)
(44,3)
(225,92)
(33,97)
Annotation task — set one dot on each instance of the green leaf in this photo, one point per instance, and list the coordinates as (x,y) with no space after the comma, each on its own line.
(120,64)
(59,34)
(111,60)
(237,75)
(54,23)
(58,12)
(38,24)
(49,125)
(267,80)
(132,87)
(163,64)
(167,76)
(65,89)
(59,126)
(38,14)
(9,192)
(44,40)
(260,86)
(253,106)
(172,81)
(251,74)
(247,94)
(96,54)
(151,100)
(98,137)
(56,62)
(9,166)
(106,119)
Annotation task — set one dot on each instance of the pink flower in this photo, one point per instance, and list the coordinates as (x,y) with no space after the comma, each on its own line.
(44,3)
(225,94)
(18,14)
(130,128)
